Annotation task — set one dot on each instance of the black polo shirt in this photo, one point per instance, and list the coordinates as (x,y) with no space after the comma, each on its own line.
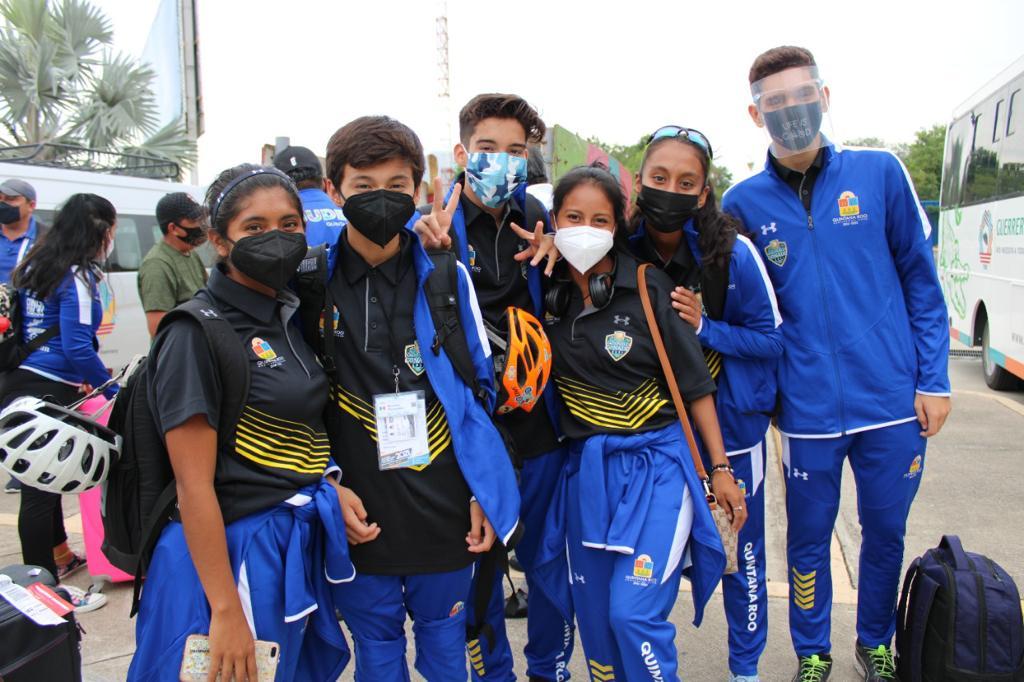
(606,367)
(423,511)
(280,443)
(801,183)
(501,281)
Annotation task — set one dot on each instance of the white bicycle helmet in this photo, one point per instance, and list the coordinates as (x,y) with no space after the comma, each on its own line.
(53,448)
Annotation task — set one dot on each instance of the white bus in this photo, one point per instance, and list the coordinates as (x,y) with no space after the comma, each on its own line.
(981,243)
(123,332)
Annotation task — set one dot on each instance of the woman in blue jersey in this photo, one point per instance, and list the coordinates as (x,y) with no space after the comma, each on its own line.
(58,282)
(723,292)
(244,557)
(632,505)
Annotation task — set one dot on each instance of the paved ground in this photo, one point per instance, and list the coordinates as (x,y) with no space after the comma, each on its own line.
(967,489)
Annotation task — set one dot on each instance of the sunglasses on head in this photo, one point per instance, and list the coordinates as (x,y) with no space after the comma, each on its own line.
(694,136)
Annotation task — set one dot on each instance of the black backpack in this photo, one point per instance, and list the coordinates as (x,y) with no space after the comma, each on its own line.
(139,495)
(13,350)
(441,290)
(959,619)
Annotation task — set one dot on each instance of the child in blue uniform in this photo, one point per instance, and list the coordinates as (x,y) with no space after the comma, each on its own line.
(247,558)
(723,292)
(631,505)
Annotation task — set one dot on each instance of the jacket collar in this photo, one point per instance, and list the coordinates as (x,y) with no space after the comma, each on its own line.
(824,157)
(258,306)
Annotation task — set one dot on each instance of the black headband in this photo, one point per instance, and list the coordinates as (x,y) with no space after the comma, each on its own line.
(261,170)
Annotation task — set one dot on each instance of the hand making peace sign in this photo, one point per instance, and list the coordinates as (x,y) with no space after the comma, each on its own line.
(433,228)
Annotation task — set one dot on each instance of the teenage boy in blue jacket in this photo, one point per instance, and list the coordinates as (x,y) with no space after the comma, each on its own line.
(429,485)
(863,375)
(488,230)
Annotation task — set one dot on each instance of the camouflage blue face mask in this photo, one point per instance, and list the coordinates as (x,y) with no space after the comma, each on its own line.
(494,176)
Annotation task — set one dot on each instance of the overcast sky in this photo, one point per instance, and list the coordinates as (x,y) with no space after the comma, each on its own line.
(615,70)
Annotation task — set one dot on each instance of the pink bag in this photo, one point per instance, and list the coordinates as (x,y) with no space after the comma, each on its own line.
(92,522)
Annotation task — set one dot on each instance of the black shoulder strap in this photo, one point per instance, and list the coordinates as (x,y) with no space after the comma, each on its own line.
(442,296)
(315,304)
(41,340)
(232,364)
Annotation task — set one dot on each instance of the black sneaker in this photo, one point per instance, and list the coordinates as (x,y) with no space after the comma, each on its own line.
(814,668)
(876,663)
(13,486)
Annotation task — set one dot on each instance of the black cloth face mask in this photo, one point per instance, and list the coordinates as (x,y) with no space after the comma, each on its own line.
(9,214)
(794,128)
(666,211)
(379,215)
(194,236)
(270,258)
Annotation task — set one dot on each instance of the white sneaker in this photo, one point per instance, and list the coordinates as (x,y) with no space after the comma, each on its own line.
(85,601)
(744,678)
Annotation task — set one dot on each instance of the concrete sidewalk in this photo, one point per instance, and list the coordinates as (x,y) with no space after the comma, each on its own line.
(968,488)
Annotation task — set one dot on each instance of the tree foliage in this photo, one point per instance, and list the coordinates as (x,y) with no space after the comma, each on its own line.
(922,157)
(61,82)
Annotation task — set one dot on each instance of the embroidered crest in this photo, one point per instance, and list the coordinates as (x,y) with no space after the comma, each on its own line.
(776,252)
(618,344)
(262,349)
(413,358)
(849,204)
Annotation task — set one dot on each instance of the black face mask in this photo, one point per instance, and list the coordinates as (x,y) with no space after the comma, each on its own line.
(270,258)
(794,128)
(194,236)
(379,215)
(9,214)
(666,211)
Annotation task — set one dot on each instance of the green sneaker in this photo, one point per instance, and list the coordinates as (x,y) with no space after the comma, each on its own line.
(876,663)
(814,668)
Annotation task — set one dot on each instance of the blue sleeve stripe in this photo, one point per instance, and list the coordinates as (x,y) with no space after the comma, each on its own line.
(764,277)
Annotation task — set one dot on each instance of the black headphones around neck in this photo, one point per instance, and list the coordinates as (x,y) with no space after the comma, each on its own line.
(600,285)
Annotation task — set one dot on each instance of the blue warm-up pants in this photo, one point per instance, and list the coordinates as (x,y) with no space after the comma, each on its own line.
(375,608)
(549,637)
(887,465)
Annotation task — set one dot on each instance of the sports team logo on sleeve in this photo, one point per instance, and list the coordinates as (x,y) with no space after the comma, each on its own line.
(413,359)
(776,252)
(849,204)
(618,344)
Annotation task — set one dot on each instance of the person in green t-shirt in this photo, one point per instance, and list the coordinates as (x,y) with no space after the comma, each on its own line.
(171,273)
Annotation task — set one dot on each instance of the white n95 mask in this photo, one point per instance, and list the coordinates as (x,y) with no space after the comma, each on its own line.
(583,246)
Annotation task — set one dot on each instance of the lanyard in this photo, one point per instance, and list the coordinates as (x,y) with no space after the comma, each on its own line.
(392,342)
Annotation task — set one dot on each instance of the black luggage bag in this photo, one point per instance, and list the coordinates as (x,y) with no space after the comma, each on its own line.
(31,652)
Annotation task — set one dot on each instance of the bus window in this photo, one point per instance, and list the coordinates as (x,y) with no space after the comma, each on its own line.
(995,122)
(1011,153)
(980,183)
(958,149)
(127,252)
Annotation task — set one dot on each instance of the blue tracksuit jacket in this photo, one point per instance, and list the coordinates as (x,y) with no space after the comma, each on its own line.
(748,336)
(856,282)
(478,446)
(324,219)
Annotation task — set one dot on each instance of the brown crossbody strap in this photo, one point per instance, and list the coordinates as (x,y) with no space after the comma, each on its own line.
(666,368)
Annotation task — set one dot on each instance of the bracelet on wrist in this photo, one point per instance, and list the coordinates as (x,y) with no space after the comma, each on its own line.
(722,467)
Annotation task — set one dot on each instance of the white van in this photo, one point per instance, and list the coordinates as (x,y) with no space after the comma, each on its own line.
(123,332)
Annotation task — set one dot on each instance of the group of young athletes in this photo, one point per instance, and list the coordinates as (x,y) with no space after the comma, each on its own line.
(368,476)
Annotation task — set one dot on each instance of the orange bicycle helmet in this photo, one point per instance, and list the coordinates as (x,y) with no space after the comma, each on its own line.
(527,361)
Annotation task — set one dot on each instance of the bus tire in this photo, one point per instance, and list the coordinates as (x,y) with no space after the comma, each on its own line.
(997,378)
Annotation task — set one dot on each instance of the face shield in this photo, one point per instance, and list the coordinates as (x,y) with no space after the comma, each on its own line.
(794,110)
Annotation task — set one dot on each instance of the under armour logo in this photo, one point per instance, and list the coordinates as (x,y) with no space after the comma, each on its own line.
(208,312)
(579,579)
(621,319)
(765,229)
(796,473)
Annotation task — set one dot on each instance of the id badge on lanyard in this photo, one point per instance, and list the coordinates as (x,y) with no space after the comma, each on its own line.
(401,430)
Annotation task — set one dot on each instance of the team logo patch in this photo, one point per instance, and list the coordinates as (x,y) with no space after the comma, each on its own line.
(618,344)
(472,255)
(985,235)
(776,252)
(643,571)
(849,204)
(457,608)
(413,358)
(915,468)
(262,349)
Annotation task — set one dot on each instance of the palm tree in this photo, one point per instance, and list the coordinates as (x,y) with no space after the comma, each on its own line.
(61,82)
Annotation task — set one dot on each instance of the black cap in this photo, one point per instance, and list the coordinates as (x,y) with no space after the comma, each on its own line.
(291,159)
(177,206)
